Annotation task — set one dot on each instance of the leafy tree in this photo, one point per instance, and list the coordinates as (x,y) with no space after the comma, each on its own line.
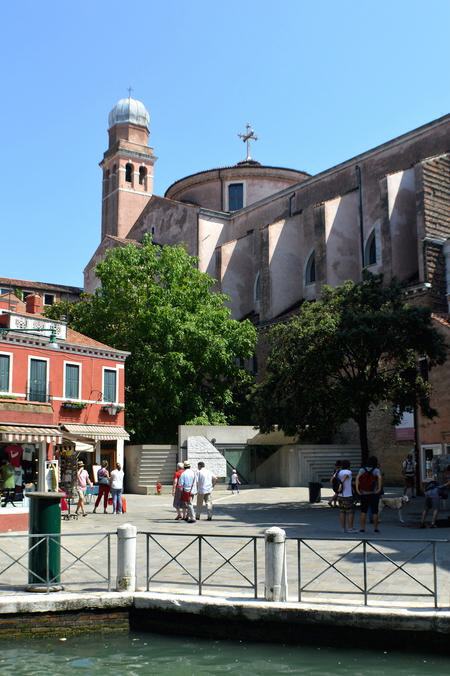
(354,349)
(185,348)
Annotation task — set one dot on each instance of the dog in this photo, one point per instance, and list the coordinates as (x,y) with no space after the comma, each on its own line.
(393,503)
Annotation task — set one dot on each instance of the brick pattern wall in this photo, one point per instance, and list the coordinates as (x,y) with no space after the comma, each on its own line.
(39,625)
(436,213)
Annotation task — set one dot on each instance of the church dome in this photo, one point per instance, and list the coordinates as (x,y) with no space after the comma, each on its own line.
(129,111)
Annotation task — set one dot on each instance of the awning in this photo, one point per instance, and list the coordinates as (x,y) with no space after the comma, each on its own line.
(30,434)
(97,432)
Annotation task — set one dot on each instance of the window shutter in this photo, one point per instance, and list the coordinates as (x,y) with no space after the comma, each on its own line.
(4,373)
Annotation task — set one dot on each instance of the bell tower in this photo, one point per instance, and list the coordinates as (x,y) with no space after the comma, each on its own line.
(127,167)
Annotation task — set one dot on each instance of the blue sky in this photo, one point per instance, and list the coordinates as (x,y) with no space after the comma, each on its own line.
(319,81)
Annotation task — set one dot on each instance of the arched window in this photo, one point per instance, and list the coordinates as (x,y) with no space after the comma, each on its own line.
(129,173)
(370,250)
(310,272)
(257,289)
(114,177)
(142,175)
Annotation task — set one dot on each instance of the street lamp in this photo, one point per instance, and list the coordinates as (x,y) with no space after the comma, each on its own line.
(52,343)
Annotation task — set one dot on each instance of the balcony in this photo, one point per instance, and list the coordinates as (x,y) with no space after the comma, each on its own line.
(39,392)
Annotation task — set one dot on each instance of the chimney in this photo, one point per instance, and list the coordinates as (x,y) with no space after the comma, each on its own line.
(34,304)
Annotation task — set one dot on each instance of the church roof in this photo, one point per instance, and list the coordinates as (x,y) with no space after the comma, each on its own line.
(245,164)
(129,111)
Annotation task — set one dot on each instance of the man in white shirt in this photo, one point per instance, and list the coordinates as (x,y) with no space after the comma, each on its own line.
(205,484)
(188,484)
(345,498)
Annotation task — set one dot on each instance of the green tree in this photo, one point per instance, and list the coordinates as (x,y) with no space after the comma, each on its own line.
(186,351)
(354,349)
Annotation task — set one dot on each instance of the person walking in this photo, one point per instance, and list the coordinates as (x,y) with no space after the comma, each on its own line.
(344,491)
(103,479)
(83,481)
(335,484)
(434,493)
(176,492)
(234,481)
(368,486)
(116,480)
(188,483)
(409,475)
(205,485)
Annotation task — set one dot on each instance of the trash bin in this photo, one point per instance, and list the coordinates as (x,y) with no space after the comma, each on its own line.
(314,491)
(44,554)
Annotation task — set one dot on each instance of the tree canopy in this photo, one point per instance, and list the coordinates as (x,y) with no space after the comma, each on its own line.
(354,349)
(186,350)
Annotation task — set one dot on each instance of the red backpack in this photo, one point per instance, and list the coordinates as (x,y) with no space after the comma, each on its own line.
(367,480)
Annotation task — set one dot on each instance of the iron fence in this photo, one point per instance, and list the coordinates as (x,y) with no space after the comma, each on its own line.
(366,568)
(74,560)
(201,559)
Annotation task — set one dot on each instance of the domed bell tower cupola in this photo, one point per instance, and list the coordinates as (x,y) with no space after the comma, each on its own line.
(127,167)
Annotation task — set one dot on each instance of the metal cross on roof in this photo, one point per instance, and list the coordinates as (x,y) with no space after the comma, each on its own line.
(130,89)
(246,138)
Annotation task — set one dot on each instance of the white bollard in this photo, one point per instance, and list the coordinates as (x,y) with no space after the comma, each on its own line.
(275,588)
(126,557)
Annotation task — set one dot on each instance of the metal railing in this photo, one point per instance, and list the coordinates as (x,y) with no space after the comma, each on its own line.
(70,561)
(372,564)
(200,571)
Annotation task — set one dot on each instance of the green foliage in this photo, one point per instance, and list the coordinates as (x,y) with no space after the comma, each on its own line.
(185,348)
(354,349)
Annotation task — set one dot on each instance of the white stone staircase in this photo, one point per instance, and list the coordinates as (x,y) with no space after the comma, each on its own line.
(148,464)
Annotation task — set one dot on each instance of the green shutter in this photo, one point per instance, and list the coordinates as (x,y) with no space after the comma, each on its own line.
(38,380)
(4,373)
(109,385)
(72,381)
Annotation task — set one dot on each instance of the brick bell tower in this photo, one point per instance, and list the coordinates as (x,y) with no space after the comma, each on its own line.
(127,167)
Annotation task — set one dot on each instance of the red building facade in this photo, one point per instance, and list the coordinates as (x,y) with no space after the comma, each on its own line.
(60,391)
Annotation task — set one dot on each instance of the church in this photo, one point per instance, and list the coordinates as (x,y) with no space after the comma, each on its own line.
(273,236)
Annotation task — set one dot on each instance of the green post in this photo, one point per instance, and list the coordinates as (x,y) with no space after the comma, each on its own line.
(44,553)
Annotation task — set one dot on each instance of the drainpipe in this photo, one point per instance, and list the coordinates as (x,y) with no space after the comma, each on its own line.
(446,250)
(360,209)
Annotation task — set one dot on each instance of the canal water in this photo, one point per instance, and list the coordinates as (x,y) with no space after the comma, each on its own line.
(140,654)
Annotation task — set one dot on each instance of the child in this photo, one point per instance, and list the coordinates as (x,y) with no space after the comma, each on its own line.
(234,481)
(335,483)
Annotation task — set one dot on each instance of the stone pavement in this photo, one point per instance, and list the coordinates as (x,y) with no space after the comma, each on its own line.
(241,517)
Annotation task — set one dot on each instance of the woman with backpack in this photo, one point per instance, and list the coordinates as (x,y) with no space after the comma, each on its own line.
(368,486)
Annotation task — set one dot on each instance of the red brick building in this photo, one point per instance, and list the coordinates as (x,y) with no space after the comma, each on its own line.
(59,390)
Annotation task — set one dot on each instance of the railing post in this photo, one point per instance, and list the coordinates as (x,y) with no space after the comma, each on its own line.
(126,557)
(275,586)
(364,544)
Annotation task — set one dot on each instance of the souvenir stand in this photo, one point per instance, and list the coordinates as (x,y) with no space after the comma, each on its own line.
(68,458)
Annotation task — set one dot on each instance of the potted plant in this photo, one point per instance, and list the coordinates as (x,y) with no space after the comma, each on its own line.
(74,405)
(112,409)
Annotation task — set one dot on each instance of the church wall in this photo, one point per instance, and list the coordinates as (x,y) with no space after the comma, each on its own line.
(342,239)
(211,233)
(257,189)
(437,430)
(285,264)
(169,223)
(237,274)
(403,226)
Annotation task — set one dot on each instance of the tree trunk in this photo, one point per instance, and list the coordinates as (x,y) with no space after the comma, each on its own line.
(363,440)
